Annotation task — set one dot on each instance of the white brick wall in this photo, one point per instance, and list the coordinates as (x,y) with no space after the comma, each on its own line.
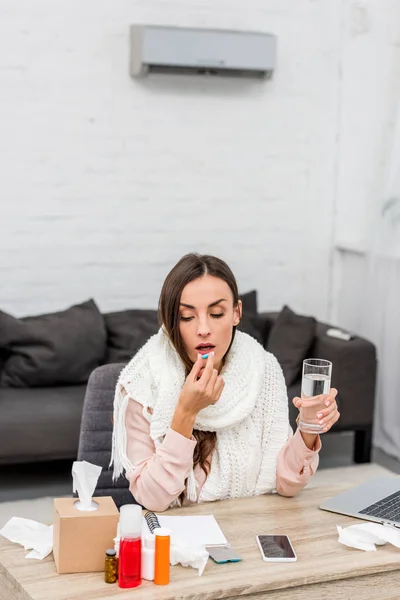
(106,181)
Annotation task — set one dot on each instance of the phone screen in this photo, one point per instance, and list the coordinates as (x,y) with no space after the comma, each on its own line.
(276,546)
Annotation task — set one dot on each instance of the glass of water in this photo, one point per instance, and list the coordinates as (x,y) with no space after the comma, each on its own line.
(316,380)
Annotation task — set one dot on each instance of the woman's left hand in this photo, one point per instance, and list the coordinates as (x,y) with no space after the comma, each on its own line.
(325,417)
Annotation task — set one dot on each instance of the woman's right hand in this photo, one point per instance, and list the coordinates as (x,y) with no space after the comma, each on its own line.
(198,393)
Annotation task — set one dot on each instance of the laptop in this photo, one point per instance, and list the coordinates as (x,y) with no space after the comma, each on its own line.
(376,500)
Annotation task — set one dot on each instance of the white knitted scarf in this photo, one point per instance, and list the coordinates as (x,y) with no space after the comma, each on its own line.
(250,418)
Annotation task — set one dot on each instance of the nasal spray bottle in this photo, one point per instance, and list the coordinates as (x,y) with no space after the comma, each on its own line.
(130,546)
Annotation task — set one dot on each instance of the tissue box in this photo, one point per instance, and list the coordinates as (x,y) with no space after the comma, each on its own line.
(80,539)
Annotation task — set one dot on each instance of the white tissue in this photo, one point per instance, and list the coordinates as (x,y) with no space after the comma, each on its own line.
(85,477)
(188,556)
(31,535)
(366,536)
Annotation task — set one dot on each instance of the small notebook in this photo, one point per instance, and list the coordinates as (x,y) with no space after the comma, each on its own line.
(199,530)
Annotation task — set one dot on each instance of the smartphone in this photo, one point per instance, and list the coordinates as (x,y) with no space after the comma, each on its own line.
(276,548)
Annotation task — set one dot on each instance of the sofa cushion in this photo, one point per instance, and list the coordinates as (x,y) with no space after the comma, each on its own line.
(249,302)
(127,331)
(52,349)
(290,340)
(250,322)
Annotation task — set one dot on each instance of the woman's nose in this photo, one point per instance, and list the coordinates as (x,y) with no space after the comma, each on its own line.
(203,327)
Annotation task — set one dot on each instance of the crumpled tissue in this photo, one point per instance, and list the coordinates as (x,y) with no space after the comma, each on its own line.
(188,556)
(366,536)
(31,535)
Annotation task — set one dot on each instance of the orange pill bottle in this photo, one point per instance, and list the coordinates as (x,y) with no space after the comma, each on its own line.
(162,556)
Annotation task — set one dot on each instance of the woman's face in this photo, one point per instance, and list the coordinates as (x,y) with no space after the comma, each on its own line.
(207,316)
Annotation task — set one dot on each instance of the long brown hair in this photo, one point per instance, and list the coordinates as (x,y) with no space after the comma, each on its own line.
(190,267)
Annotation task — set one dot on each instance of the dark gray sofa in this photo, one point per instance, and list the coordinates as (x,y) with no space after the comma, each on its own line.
(43,423)
(40,424)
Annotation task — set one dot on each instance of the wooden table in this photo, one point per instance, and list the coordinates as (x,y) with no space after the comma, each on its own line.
(324,569)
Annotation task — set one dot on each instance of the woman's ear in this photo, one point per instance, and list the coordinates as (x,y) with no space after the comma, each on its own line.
(237,313)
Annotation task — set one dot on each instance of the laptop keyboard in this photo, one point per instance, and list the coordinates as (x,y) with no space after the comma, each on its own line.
(387,508)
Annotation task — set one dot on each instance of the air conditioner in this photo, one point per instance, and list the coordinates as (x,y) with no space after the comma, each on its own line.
(161,49)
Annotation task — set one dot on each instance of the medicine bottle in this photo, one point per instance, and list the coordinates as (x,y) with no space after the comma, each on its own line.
(148,557)
(162,556)
(130,546)
(111,566)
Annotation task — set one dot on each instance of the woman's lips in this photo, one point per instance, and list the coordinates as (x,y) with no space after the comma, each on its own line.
(205,349)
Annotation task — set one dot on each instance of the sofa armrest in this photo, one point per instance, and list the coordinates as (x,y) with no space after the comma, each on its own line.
(354,368)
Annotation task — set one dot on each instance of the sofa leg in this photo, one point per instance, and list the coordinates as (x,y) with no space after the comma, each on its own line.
(363,445)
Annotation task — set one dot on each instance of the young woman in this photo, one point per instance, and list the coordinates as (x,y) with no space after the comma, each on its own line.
(190,428)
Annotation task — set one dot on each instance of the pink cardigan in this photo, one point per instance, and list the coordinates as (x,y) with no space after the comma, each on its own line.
(159,474)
